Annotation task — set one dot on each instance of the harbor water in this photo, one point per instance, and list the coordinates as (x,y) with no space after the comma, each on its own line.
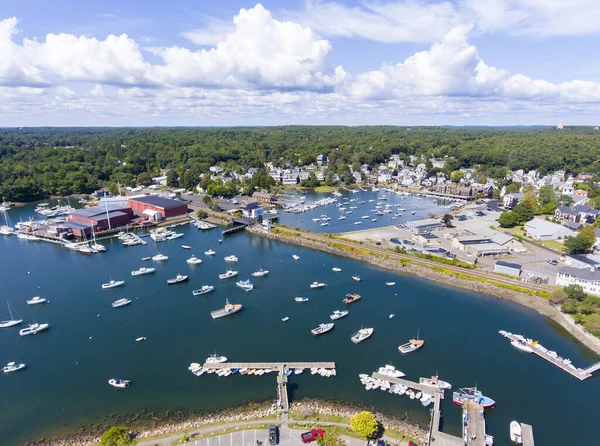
(64,386)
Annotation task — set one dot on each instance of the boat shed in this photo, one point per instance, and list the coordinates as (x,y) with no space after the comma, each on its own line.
(165,206)
(510,269)
(82,222)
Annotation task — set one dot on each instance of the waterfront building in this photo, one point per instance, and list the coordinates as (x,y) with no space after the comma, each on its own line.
(164,206)
(588,279)
(264,197)
(96,218)
(511,269)
(545,230)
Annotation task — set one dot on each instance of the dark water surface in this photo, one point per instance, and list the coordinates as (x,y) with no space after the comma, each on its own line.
(65,383)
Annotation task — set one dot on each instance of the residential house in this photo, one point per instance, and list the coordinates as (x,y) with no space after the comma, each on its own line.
(264,197)
(252,210)
(290,178)
(385,175)
(304,176)
(276,174)
(540,229)
(216,169)
(565,213)
(464,191)
(588,279)
(511,200)
(321,159)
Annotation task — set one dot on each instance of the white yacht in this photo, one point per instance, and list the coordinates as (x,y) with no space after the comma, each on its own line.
(12,321)
(177,279)
(113,284)
(318,285)
(194,260)
(143,271)
(231,259)
(33,329)
(361,335)
(121,303)
(119,383)
(246,285)
(228,274)
(36,300)
(337,314)
(204,290)
(336,269)
(12,367)
(210,252)
(434,381)
(261,272)
(390,370)
(160,258)
(215,359)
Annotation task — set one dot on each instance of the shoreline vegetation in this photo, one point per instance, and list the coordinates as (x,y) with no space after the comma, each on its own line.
(532,296)
(149,426)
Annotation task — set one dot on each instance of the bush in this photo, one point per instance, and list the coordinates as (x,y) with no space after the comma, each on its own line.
(570,307)
(575,292)
(201,214)
(558,297)
(116,436)
(330,438)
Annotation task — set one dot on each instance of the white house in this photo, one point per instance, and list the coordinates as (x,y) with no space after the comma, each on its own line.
(589,279)
(544,230)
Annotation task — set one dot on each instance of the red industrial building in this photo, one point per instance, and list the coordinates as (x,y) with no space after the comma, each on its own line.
(152,206)
(96,218)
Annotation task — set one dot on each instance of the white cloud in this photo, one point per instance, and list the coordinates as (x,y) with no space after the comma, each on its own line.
(97,91)
(213,32)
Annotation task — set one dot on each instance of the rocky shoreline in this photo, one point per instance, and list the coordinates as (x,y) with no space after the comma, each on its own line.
(536,303)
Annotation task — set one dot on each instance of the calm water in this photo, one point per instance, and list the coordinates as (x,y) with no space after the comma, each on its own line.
(65,384)
(420,205)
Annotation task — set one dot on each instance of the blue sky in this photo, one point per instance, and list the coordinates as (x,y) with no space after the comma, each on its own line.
(199,62)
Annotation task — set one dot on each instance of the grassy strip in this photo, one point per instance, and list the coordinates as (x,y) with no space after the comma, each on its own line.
(299,415)
(446,261)
(286,233)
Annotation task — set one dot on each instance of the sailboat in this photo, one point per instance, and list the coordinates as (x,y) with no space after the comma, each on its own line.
(94,246)
(6,228)
(12,321)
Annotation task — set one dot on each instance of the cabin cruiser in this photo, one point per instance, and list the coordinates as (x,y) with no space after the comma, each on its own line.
(194,260)
(113,284)
(390,370)
(177,279)
(336,269)
(228,274)
(121,303)
(36,300)
(215,359)
(119,383)
(322,328)
(210,252)
(143,271)
(337,314)
(204,290)
(33,329)
(160,258)
(318,285)
(246,285)
(361,335)
(12,367)
(261,272)
(231,259)
(434,381)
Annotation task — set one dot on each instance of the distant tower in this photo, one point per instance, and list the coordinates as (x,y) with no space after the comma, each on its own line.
(560,126)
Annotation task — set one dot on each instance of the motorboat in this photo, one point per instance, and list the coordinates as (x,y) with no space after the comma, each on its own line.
(391,316)
(36,300)
(356,278)
(336,269)
(121,303)
(325,224)
(204,290)
(521,345)
(228,274)
(361,335)
(390,283)
(412,345)
(177,279)
(317,285)
(434,381)
(285,319)
(160,258)
(210,252)
(515,432)
(261,272)
(186,247)
(390,370)
(194,261)
(472,394)
(301,299)
(146,258)
(231,259)
(119,383)
(113,284)
(12,321)
(140,339)
(12,367)
(246,285)
(426,400)
(227,310)
(322,328)
(215,359)
(295,257)
(143,271)
(350,298)
(220,240)
(33,329)
(337,314)
(342,217)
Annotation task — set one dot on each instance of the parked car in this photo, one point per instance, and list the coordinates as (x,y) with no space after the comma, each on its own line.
(552,262)
(273,434)
(311,435)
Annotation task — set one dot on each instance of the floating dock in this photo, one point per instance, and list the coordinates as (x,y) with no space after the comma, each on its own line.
(581,374)
(527,434)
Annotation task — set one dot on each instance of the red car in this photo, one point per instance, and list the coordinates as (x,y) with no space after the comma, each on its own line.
(312,435)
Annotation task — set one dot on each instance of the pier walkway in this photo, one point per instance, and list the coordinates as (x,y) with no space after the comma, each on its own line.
(527,434)
(581,374)
(474,424)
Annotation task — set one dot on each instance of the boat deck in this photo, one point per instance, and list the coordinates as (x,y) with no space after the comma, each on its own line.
(475,424)
(527,433)
(581,374)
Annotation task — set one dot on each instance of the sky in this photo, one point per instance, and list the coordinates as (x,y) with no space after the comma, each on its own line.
(279,62)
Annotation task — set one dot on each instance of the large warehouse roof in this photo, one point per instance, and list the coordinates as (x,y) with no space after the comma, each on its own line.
(159,202)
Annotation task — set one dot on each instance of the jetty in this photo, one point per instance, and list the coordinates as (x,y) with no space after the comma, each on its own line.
(527,435)
(554,359)
(473,424)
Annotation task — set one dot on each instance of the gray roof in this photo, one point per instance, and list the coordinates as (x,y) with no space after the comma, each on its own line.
(425,222)
(539,225)
(572,225)
(508,264)
(428,236)
(473,238)
(584,274)
(584,259)
(501,238)
(95,211)
(161,202)
(566,210)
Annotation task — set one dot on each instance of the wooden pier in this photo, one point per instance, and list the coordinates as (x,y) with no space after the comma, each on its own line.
(233,230)
(581,374)
(527,435)
(423,388)
(473,424)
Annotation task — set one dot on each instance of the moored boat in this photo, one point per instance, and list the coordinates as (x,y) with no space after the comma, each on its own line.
(121,303)
(412,345)
(12,367)
(246,285)
(232,259)
(472,394)
(361,335)
(143,271)
(204,290)
(261,272)
(177,279)
(113,284)
(337,314)
(301,299)
(515,432)
(322,328)
(336,269)
(33,329)
(434,381)
(228,274)
(160,258)
(12,321)
(227,310)
(186,247)
(119,383)
(390,370)
(36,300)
(390,283)
(350,298)
(194,261)
(318,285)
(356,278)
(216,359)
(295,257)
(285,319)
(522,346)
(140,339)
(210,252)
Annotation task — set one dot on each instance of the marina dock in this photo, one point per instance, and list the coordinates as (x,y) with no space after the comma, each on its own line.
(581,374)
(527,434)
(473,424)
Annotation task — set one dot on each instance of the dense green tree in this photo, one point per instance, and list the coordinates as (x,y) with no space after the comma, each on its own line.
(201,214)
(456,176)
(172,178)
(311,181)
(144,179)
(547,195)
(330,438)
(508,219)
(514,187)
(578,244)
(565,200)
(447,220)
(524,211)
(575,292)
(116,436)
(364,424)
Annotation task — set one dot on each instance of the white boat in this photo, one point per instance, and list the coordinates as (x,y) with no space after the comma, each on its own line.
(434,381)
(322,328)
(337,314)
(121,303)
(12,367)
(12,321)
(515,432)
(160,258)
(146,258)
(210,252)
(204,290)
(227,310)
(140,339)
(215,359)
(390,283)
(33,329)
(113,284)
(36,300)
(295,257)
(177,279)
(143,271)
(119,383)
(261,272)
(342,217)
(231,259)
(186,247)
(228,274)
(426,400)
(301,299)
(391,316)
(336,269)
(522,346)
(390,370)
(356,278)
(194,260)
(285,319)
(361,335)
(246,285)
(318,285)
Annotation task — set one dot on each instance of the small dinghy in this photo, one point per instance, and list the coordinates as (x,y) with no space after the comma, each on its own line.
(140,339)
(285,319)
(515,432)
(301,299)
(186,247)
(390,283)
(119,383)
